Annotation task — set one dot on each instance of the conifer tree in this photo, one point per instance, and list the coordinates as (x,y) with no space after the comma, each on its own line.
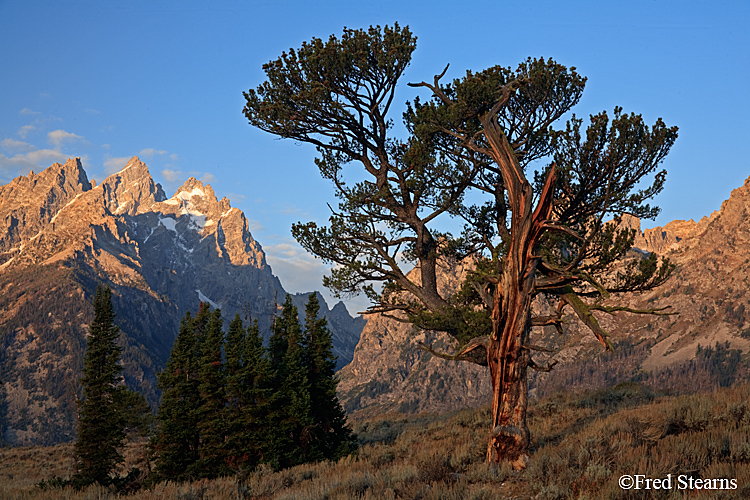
(332,438)
(100,428)
(290,406)
(212,387)
(247,382)
(236,338)
(177,441)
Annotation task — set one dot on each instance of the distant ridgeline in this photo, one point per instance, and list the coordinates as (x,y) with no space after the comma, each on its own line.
(61,235)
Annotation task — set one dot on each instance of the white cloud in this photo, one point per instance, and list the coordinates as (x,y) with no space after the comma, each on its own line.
(27,111)
(298,270)
(112,165)
(173,157)
(207,178)
(255,225)
(91,111)
(24,131)
(57,137)
(32,160)
(291,210)
(236,197)
(171,175)
(289,251)
(16,146)
(150,152)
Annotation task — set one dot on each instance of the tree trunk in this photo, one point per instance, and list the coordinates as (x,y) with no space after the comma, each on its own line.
(507,357)
(508,361)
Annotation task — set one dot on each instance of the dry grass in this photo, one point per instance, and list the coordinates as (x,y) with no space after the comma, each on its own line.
(582,444)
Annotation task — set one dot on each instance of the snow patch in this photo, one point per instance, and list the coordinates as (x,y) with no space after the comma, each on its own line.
(180,244)
(196,219)
(168,222)
(203,298)
(149,235)
(121,207)
(172,201)
(186,195)
(129,164)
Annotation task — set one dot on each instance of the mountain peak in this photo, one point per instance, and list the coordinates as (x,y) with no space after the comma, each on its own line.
(29,202)
(136,164)
(70,173)
(193,187)
(132,189)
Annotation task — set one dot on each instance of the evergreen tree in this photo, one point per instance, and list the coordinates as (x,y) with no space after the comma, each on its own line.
(229,404)
(212,387)
(135,413)
(177,441)
(236,338)
(332,438)
(100,427)
(490,148)
(290,410)
(247,382)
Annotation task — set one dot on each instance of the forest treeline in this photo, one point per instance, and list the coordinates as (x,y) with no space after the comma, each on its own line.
(229,403)
(713,367)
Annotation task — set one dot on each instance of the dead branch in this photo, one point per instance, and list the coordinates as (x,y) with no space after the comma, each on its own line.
(657,311)
(474,352)
(540,368)
(539,348)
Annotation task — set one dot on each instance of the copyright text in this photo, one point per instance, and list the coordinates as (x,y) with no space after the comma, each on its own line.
(681,482)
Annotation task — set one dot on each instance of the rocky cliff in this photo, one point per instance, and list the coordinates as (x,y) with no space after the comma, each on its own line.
(340,323)
(61,235)
(390,373)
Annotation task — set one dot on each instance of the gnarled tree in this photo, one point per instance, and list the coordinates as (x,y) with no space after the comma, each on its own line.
(476,138)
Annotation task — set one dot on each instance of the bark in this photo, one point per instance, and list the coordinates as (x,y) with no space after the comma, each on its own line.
(508,361)
(511,309)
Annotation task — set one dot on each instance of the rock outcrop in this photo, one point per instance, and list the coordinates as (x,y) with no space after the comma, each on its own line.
(390,373)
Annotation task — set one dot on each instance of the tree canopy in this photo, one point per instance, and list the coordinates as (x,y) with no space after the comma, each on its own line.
(492,149)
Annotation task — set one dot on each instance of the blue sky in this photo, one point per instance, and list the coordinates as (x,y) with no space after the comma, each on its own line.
(164,81)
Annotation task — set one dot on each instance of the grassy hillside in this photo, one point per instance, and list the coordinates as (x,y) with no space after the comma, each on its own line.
(582,444)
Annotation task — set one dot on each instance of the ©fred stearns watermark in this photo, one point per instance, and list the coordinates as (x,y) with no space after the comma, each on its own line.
(681,482)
